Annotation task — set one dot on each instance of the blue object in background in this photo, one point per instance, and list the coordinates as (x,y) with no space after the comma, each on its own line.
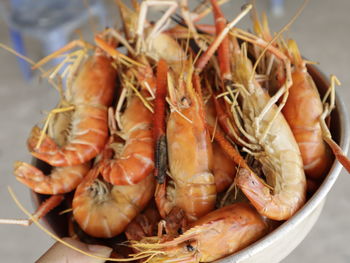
(50,21)
(277,7)
(18,45)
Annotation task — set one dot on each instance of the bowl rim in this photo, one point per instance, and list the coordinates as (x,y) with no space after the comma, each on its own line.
(316,198)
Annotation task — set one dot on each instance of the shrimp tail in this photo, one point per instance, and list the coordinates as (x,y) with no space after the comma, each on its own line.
(47,144)
(61,180)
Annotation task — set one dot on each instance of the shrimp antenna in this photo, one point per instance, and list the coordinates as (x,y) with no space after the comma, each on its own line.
(12,51)
(203,60)
(286,27)
(31,62)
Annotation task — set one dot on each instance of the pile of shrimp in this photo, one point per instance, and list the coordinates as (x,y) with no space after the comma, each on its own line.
(190,141)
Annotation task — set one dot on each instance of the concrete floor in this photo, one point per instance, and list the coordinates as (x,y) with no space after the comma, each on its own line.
(322,32)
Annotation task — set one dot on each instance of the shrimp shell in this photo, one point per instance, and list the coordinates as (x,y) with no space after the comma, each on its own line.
(302,112)
(104,210)
(136,160)
(280,156)
(91,93)
(60,181)
(214,236)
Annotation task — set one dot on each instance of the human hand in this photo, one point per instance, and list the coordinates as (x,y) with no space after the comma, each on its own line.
(60,253)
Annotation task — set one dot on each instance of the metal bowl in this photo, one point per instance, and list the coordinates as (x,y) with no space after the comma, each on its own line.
(278,244)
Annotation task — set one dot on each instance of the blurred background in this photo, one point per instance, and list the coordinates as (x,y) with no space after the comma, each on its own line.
(36,28)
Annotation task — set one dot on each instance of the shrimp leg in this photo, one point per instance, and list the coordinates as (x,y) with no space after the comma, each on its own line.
(159,122)
(327,137)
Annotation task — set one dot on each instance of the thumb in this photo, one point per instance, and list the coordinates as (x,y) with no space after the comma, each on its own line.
(60,253)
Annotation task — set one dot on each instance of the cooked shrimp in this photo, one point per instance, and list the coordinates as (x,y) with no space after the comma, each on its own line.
(135,161)
(303,107)
(190,152)
(214,236)
(87,98)
(279,154)
(302,112)
(189,147)
(271,141)
(61,180)
(104,210)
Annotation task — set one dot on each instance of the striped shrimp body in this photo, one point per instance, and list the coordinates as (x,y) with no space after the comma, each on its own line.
(87,97)
(277,151)
(60,180)
(216,235)
(104,210)
(135,161)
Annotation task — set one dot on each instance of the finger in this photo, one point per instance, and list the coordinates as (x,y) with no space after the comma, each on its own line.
(60,253)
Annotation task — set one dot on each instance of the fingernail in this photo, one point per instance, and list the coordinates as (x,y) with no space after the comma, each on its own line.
(100,249)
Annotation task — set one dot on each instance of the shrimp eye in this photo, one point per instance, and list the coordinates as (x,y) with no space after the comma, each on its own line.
(189,248)
(185,102)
